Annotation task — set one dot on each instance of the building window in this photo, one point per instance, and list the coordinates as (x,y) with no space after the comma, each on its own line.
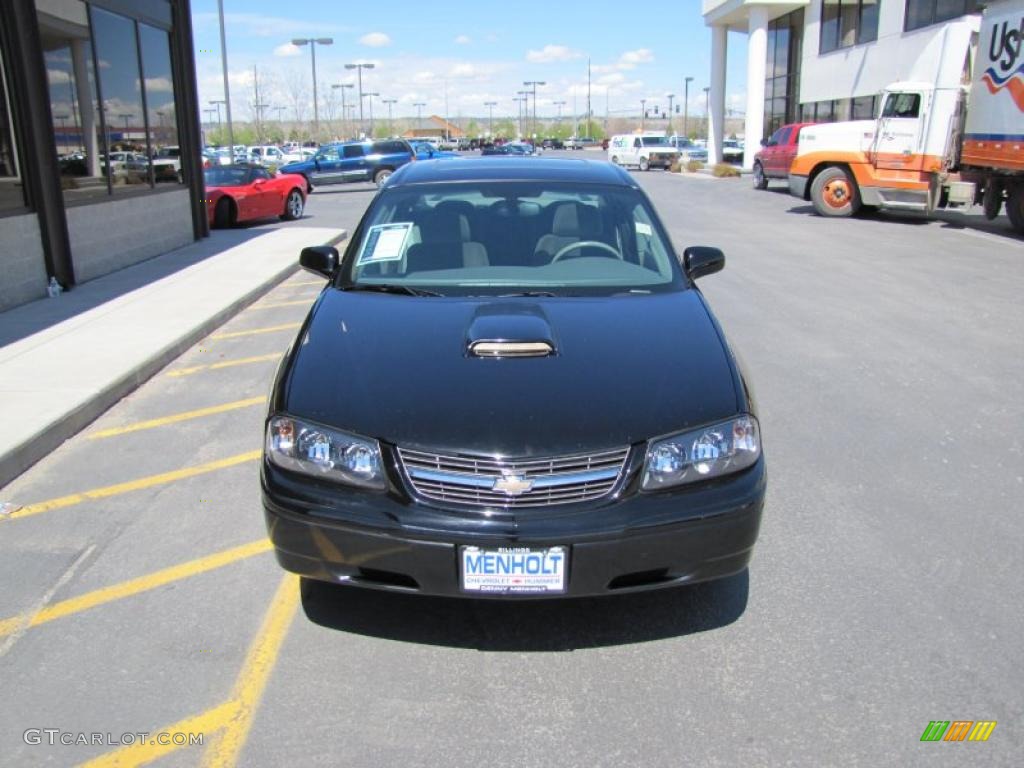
(845,23)
(921,13)
(782,70)
(161,119)
(12,192)
(864,108)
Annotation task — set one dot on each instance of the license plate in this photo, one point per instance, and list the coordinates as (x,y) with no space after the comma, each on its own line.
(513,570)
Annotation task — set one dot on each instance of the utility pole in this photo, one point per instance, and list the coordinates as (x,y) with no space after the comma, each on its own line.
(668,130)
(524,107)
(534,83)
(419,114)
(370,97)
(447,136)
(344,111)
(227,91)
(490,117)
(643,113)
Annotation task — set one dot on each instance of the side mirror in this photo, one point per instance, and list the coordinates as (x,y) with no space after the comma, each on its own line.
(700,260)
(764,142)
(320,260)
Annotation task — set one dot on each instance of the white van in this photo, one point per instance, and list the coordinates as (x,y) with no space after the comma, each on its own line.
(644,150)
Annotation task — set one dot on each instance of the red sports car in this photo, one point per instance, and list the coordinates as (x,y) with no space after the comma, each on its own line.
(244,192)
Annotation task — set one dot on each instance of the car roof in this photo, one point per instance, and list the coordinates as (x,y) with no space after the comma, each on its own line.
(511,169)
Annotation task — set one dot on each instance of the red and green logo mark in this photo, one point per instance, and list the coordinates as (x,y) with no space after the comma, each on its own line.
(958,730)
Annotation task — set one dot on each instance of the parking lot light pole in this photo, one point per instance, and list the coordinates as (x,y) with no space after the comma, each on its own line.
(359,76)
(391,119)
(344,111)
(534,83)
(490,117)
(686,105)
(558,106)
(669,96)
(643,113)
(217,103)
(227,89)
(313,42)
(419,114)
(520,100)
(370,97)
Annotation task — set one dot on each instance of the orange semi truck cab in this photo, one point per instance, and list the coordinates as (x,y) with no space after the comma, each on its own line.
(932,144)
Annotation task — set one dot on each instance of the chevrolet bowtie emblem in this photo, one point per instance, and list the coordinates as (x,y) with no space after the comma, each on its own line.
(512,485)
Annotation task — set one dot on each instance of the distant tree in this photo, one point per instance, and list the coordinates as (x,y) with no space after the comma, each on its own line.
(472,129)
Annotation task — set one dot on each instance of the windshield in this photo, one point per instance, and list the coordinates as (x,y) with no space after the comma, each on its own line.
(226,176)
(655,141)
(508,237)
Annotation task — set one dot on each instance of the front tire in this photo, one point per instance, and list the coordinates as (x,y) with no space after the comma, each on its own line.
(381,176)
(645,165)
(293,206)
(309,185)
(835,194)
(615,159)
(760,180)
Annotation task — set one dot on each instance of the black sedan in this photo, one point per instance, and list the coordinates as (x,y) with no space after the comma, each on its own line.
(511,387)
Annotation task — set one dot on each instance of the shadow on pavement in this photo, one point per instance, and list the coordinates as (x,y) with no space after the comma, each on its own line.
(23,321)
(535,625)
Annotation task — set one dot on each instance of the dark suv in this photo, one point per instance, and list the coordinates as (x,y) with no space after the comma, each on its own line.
(353,161)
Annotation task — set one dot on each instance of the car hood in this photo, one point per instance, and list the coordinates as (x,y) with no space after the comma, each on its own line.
(397,368)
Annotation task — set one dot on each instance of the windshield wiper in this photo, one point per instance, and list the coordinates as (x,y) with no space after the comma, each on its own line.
(407,290)
(525,293)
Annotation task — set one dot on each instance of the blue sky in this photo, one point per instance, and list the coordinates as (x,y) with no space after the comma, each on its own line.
(480,51)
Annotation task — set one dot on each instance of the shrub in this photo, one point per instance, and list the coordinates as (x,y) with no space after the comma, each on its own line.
(724,170)
(694,165)
(674,168)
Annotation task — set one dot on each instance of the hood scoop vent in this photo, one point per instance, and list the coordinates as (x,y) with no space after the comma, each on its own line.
(509,329)
(510,349)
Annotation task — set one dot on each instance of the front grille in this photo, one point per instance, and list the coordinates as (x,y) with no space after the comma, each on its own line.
(471,480)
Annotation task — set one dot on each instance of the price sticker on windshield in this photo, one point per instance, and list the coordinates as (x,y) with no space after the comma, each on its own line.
(385,242)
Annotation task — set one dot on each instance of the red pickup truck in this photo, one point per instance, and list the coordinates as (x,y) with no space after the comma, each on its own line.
(772,161)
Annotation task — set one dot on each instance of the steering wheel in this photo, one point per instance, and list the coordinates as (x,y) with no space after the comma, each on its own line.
(583,244)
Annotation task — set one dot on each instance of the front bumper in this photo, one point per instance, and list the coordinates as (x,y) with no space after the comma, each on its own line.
(628,542)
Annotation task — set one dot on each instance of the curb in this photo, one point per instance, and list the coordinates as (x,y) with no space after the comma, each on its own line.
(22,457)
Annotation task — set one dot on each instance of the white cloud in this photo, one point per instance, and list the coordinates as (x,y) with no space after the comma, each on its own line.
(58,77)
(375,40)
(630,59)
(260,25)
(464,70)
(462,40)
(287,49)
(551,53)
(155,84)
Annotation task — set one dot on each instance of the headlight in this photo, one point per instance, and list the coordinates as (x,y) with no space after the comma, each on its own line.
(702,454)
(321,452)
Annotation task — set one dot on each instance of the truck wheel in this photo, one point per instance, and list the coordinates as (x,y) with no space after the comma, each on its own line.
(381,176)
(834,193)
(760,180)
(615,159)
(644,164)
(992,199)
(1015,208)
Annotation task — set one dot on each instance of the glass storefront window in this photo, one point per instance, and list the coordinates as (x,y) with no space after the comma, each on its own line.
(161,116)
(12,192)
(845,23)
(921,13)
(117,56)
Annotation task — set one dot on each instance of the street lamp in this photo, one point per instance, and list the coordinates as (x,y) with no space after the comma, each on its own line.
(669,96)
(534,83)
(370,97)
(490,117)
(419,113)
(359,73)
(643,113)
(523,98)
(686,105)
(344,111)
(313,42)
(391,120)
(217,103)
(559,105)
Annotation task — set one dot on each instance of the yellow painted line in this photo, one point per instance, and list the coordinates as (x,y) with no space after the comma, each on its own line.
(134,586)
(224,364)
(207,723)
(257,331)
(177,417)
(225,749)
(134,485)
(277,304)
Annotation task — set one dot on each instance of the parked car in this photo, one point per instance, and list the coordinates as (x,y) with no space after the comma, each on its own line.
(349,161)
(646,151)
(425,150)
(732,151)
(553,144)
(776,155)
(688,150)
(573,142)
(247,192)
(297,154)
(519,149)
(528,396)
(494,149)
(266,155)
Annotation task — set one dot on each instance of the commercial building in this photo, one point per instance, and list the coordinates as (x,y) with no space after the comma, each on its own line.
(827,60)
(99,139)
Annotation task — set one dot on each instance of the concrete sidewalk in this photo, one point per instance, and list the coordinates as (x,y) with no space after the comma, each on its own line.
(64,361)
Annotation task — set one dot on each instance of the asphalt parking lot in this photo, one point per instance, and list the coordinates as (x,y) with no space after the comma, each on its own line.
(140,594)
